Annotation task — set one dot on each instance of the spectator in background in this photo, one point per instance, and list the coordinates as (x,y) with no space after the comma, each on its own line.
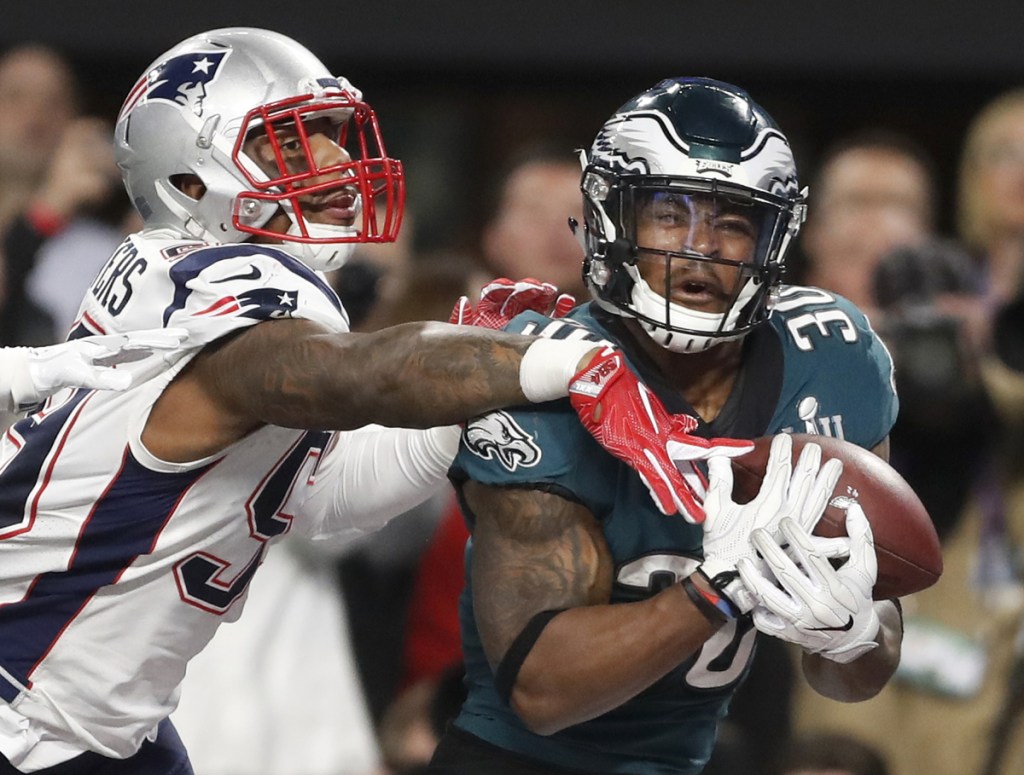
(527,233)
(873,192)
(61,197)
(962,669)
(991,222)
(922,294)
(991,192)
(870,236)
(37,102)
(88,209)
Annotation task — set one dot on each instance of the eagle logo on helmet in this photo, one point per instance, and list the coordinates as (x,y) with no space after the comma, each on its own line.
(770,164)
(181,80)
(496,436)
(636,143)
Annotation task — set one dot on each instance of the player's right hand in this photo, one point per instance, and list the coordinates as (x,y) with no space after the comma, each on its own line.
(502,299)
(803,599)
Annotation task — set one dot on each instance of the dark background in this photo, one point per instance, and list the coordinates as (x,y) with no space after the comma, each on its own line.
(461,85)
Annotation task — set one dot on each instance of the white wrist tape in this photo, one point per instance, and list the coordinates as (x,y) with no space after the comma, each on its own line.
(549,365)
(16,386)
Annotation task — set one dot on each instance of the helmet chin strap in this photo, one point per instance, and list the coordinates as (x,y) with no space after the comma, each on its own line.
(322,256)
(686,330)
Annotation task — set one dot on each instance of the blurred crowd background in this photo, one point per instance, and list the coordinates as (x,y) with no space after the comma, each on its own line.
(907,123)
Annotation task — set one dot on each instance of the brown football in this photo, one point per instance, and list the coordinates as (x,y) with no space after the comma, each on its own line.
(907,547)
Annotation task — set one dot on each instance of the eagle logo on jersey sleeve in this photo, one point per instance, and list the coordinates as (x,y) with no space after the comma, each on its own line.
(496,436)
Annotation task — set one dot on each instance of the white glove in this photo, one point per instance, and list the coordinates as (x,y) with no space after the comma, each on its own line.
(801,495)
(29,374)
(686,453)
(808,602)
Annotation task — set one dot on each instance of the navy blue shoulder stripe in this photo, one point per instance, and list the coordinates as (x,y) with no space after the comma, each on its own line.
(195,262)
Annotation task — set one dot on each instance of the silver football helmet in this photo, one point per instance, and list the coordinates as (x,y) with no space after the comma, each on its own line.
(689,150)
(196,105)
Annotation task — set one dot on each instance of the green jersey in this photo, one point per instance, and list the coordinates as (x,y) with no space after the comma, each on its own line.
(815,366)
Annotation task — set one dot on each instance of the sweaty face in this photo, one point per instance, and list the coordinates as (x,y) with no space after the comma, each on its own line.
(691,246)
(310,163)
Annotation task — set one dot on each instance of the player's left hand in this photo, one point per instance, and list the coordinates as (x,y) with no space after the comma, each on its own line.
(805,600)
(629,421)
(90,362)
(502,299)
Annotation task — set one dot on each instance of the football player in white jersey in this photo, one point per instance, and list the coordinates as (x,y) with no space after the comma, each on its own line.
(132,522)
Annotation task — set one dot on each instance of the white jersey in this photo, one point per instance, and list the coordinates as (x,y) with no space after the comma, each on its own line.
(116,567)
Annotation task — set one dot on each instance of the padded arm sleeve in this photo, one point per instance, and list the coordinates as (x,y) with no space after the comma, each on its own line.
(373,474)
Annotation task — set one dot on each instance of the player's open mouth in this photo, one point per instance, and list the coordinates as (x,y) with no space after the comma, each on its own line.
(339,207)
(699,291)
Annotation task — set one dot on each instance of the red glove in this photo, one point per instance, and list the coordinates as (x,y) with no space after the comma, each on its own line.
(629,421)
(503,299)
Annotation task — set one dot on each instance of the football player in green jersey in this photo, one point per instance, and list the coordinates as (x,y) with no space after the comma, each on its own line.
(599,635)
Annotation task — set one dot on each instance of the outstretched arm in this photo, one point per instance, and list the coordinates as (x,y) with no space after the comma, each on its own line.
(535,552)
(297,374)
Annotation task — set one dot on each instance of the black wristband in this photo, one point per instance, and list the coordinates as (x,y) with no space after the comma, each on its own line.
(710,611)
(507,672)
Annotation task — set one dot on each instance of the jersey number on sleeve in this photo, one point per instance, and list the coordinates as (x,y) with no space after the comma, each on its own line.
(831,321)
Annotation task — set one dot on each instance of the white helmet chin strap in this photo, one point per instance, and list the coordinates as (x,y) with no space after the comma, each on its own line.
(322,256)
(652,305)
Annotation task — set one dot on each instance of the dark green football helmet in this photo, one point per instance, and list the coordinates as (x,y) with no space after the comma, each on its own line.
(689,149)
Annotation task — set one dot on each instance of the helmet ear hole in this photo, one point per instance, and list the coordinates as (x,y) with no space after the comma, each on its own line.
(189,184)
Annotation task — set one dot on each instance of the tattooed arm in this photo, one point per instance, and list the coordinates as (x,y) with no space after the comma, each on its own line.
(296,374)
(535,551)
